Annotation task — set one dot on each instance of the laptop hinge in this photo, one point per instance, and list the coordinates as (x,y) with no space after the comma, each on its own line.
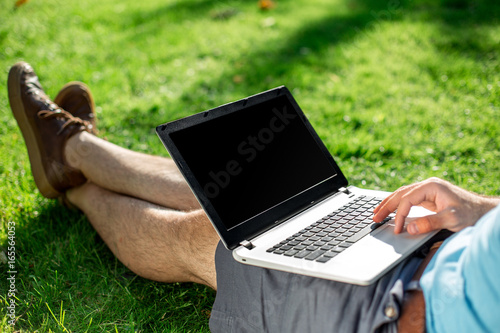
(247,244)
(346,191)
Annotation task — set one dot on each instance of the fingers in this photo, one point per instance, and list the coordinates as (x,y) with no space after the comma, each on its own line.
(413,198)
(404,199)
(391,203)
(452,205)
(429,223)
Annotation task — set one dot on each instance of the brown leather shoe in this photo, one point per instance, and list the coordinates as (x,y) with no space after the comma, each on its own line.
(76,98)
(46,128)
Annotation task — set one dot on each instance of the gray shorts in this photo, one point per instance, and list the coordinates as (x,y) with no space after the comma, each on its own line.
(253,299)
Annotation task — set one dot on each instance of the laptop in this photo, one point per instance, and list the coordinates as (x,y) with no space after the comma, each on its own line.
(276,196)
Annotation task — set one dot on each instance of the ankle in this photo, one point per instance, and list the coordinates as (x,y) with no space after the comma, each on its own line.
(76,149)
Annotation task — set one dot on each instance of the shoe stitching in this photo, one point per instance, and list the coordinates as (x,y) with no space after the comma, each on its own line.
(54,111)
(60,113)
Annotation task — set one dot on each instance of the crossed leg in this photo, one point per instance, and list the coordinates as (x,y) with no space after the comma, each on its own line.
(144,211)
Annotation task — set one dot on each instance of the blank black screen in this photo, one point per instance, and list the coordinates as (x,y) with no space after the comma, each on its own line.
(251,160)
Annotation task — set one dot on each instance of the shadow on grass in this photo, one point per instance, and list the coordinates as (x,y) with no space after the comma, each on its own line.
(177,12)
(63,264)
(458,21)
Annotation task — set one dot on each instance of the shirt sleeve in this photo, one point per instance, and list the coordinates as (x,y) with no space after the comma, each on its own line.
(461,284)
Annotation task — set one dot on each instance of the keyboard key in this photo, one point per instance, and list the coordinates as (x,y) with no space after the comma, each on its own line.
(314,255)
(362,233)
(376,225)
(291,253)
(332,233)
(330,254)
(323,259)
(302,254)
(338,249)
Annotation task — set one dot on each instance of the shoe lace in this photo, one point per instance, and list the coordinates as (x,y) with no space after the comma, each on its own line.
(60,113)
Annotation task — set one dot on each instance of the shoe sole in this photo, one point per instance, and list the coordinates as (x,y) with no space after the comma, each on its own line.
(30,137)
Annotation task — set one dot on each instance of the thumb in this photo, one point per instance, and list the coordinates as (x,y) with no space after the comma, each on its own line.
(429,223)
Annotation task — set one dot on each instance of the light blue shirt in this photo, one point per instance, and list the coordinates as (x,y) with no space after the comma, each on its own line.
(461,284)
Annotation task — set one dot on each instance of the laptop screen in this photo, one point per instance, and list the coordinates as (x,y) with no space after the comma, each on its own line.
(249,161)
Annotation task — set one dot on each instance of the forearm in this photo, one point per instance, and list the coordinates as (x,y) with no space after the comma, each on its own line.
(465,206)
(485,204)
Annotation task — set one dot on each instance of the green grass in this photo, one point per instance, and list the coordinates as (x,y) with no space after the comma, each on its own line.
(399,91)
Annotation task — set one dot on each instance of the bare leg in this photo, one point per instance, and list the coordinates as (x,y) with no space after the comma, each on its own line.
(156,243)
(151,178)
(139,204)
(144,211)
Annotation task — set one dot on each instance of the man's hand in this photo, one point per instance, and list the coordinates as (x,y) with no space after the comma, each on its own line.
(455,208)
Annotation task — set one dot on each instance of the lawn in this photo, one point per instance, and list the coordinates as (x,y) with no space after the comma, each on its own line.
(399,90)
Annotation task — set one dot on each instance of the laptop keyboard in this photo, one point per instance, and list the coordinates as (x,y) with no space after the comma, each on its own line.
(332,234)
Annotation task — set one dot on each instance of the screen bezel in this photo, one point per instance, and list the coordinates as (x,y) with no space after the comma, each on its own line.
(258,224)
